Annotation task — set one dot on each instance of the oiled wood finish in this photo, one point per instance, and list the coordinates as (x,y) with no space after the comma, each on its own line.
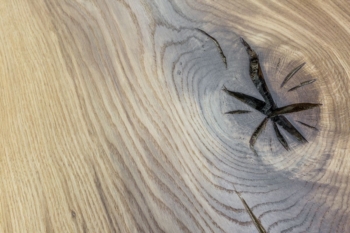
(113,116)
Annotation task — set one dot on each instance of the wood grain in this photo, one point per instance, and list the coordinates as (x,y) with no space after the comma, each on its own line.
(112,116)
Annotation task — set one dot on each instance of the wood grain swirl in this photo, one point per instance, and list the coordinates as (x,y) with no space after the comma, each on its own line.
(113,116)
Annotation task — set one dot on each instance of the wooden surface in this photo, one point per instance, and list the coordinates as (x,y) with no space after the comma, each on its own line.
(112,116)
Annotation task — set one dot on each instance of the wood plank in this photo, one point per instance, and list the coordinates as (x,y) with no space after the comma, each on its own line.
(113,116)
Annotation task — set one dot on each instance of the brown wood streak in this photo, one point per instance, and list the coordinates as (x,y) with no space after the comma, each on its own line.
(113,118)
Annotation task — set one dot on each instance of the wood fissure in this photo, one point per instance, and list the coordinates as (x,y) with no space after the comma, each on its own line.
(255,220)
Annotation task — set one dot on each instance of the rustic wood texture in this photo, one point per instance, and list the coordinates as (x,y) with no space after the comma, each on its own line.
(112,116)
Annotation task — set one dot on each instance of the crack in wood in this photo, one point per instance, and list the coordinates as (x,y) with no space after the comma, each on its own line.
(289,127)
(291,74)
(237,112)
(293,108)
(257,133)
(217,45)
(249,100)
(302,84)
(307,125)
(280,137)
(257,76)
(268,107)
(255,220)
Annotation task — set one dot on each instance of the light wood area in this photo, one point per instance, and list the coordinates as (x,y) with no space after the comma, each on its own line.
(113,116)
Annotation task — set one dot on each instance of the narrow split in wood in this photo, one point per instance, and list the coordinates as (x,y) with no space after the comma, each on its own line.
(237,112)
(293,108)
(257,133)
(255,220)
(280,137)
(302,84)
(307,125)
(249,100)
(217,45)
(291,74)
